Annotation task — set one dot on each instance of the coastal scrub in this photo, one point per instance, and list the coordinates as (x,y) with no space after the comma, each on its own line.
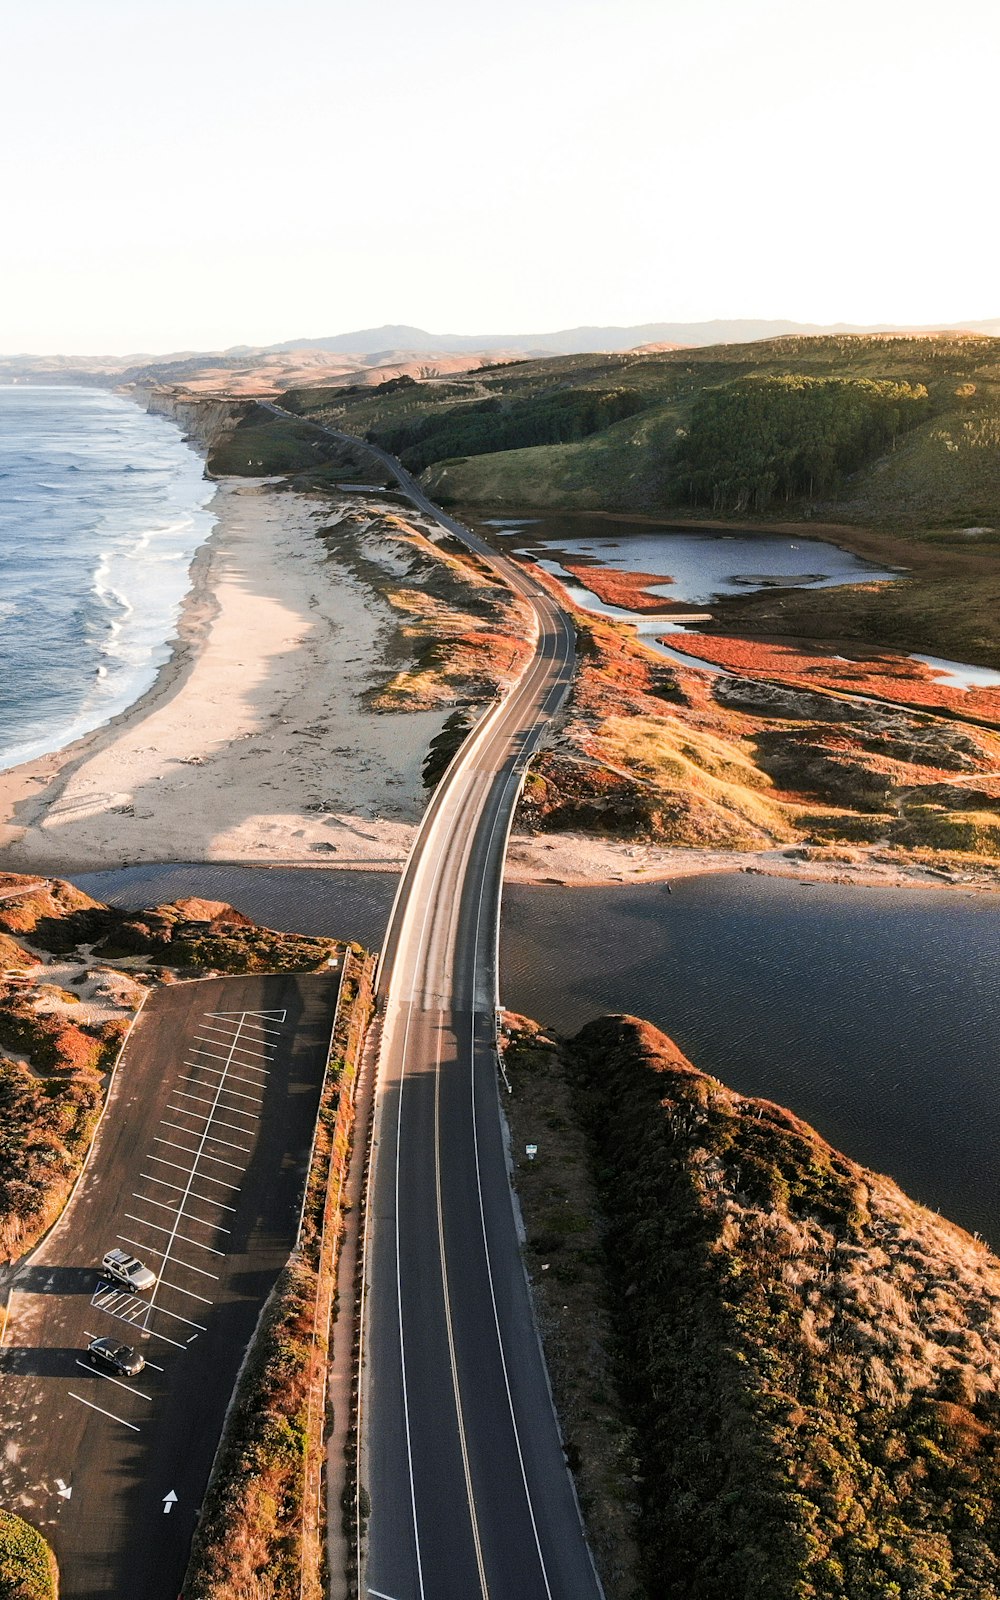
(810,1359)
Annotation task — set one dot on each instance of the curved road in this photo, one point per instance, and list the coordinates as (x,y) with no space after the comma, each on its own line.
(462,1460)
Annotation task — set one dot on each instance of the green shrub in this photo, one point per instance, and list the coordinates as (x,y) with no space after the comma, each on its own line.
(28,1568)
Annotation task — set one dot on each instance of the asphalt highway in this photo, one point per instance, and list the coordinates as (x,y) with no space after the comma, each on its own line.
(460,1449)
(198,1170)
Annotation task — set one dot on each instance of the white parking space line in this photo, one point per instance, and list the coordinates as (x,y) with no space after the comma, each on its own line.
(227,1144)
(116,1381)
(219,1160)
(104,1413)
(244,1066)
(248,1044)
(92,1335)
(207,1176)
(189,1292)
(201,1154)
(205,1101)
(231,1077)
(254,1099)
(155,1226)
(167,1183)
(162,1311)
(252,1048)
(164,1205)
(182,1111)
(151,1252)
(242,1058)
(258,1048)
(223,1071)
(159,1139)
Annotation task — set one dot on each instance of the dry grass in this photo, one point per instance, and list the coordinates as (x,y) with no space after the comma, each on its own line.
(647,750)
(460,635)
(812,1360)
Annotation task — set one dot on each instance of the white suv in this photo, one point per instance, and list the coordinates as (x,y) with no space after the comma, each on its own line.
(123,1268)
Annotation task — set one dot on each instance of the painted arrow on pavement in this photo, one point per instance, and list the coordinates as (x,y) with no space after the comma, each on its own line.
(169,1501)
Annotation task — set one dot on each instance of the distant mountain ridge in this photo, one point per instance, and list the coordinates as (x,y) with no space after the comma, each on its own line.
(392,339)
(398,347)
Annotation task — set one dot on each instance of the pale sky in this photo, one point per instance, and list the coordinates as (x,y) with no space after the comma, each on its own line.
(189,174)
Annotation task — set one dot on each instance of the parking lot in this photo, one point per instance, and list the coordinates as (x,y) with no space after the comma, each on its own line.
(198,1172)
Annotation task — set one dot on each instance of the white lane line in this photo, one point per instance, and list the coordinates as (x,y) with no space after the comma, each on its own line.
(199,1116)
(148,1248)
(459,1412)
(482,1203)
(213,1055)
(237,1111)
(162,1205)
(223,1183)
(166,1183)
(155,1226)
(399,1287)
(244,1149)
(94,1373)
(189,1292)
(219,1160)
(104,1413)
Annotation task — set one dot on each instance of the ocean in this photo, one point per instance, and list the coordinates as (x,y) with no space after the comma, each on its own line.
(102,508)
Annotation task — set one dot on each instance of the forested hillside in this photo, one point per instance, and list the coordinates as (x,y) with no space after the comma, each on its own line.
(896,430)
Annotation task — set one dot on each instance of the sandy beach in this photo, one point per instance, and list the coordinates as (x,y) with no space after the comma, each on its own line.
(254,744)
(257,744)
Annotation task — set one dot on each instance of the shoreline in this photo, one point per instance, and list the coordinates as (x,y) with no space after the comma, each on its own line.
(273,635)
(277,761)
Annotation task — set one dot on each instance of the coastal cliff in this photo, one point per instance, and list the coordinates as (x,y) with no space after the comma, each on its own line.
(808,1361)
(205,419)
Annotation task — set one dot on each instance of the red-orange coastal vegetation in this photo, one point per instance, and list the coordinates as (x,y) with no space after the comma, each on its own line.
(883,674)
(627,589)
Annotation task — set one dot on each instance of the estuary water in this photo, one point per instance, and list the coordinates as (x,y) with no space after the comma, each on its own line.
(697,566)
(101,509)
(872,1013)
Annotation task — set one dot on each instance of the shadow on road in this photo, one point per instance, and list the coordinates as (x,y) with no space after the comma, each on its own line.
(57,1280)
(42,1361)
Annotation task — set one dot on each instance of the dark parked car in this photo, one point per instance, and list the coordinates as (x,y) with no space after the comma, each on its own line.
(114,1357)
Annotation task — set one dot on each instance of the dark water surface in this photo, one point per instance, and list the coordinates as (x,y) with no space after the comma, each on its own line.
(342,904)
(872,1013)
